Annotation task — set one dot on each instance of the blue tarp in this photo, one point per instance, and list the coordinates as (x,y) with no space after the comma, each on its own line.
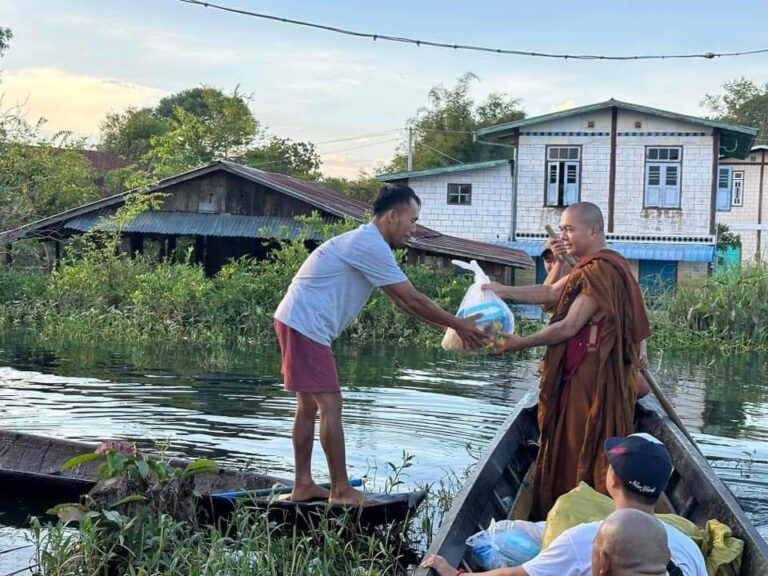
(682,252)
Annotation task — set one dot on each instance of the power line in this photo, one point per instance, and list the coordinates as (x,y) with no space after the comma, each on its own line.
(456,46)
(362,146)
(441,153)
(360,137)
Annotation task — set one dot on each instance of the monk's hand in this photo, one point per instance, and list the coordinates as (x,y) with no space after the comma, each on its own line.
(498,289)
(558,248)
(472,336)
(509,343)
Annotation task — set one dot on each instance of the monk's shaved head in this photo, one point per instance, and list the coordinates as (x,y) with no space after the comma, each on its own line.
(630,543)
(588,213)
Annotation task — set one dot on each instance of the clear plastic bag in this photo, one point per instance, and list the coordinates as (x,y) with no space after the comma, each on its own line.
(506,543)
(496,317)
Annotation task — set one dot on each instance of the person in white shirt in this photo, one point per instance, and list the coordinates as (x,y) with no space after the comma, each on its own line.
(638,471)
(325,296)
(630,543)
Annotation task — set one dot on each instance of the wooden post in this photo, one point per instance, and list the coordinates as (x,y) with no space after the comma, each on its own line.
(171,246)
(199,249)
(8,254)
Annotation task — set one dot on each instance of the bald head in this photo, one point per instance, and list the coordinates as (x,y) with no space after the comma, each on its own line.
(630,543)
(587,213)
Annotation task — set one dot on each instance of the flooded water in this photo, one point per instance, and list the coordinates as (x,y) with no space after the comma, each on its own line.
(229,405)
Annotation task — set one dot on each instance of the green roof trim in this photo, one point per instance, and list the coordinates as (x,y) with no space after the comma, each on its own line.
(442,170)
(735,140)
(621,105)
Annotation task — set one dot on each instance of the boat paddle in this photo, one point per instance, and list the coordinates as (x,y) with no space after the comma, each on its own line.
(667,405)
(267,492)
(554,236)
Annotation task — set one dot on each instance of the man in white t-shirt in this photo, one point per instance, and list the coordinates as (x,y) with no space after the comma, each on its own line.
(327,293)
(638,471)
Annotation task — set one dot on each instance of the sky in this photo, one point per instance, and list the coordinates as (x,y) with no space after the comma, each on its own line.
(74,61)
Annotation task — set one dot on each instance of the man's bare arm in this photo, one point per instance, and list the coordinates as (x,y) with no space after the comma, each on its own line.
(405,296)
(536,294)
(580,312)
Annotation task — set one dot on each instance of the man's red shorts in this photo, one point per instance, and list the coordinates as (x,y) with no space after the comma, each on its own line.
(307,366)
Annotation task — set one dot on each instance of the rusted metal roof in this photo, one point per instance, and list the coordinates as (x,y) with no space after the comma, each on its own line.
(313,193)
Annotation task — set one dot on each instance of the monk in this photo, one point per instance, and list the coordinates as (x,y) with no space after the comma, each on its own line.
(594,344)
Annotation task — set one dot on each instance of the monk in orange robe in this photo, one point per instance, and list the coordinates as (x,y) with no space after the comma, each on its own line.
(595,347)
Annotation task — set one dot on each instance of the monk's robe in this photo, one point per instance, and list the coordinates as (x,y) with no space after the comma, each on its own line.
(588,382)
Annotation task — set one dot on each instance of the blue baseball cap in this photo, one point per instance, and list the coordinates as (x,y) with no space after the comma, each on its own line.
(641,462)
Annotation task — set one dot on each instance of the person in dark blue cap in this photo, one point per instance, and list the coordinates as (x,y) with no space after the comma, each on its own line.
(639,467)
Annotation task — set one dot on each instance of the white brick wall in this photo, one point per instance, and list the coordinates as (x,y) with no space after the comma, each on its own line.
(488,218)
(746,215)
(695,192)
(629,215)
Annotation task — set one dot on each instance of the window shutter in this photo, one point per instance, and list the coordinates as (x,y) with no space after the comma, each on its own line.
(724,188)
(571,186)
(653,186)
(553,173)
(671,183)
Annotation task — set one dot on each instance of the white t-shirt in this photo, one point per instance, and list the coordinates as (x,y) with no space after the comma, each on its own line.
(335,282)
(570,554)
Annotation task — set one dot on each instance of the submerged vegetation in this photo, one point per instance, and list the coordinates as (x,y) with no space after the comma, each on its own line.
(142,534)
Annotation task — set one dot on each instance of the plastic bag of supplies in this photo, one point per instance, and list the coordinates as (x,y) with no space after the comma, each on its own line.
(496,318)
(506,543)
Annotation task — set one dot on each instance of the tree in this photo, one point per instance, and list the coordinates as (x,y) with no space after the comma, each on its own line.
(39,175)
(363,188)
(443,130)
(5,39)
(286,156)
(127,134)
(742,102)
(224,123)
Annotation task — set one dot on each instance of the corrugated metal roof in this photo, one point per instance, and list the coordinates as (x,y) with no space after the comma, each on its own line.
(313,193)
(681,252)
(194,224)
(441,170)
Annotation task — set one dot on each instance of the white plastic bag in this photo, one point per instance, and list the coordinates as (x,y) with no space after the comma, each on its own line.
(496,316)
(506,543)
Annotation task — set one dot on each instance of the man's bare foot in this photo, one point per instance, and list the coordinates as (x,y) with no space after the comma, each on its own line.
(306,492)
(350,497)
(439,565)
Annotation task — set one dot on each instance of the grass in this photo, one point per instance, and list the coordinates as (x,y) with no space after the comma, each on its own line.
(149,542)
(727,311)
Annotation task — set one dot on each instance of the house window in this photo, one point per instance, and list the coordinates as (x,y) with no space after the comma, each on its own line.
(724,188)
(562,175)
(662,176)
(460,194)
(737,188)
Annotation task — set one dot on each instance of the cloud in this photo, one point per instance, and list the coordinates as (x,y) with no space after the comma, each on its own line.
(72,101)
(345,166)
(567,105)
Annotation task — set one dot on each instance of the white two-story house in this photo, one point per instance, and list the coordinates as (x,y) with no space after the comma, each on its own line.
(653,173)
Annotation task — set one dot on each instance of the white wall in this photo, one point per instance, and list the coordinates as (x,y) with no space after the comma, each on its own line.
(488,218)
(746,215)
(629,215)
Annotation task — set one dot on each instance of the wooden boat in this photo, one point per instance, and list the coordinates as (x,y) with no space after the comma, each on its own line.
(500,487)
(30,467)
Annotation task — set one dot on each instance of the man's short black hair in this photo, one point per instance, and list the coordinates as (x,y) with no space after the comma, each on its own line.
(393,196)
(547,254)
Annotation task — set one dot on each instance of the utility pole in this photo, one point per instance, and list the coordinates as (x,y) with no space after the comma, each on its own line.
(410,149)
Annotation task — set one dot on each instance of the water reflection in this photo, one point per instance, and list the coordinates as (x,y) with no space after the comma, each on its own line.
(229,405)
